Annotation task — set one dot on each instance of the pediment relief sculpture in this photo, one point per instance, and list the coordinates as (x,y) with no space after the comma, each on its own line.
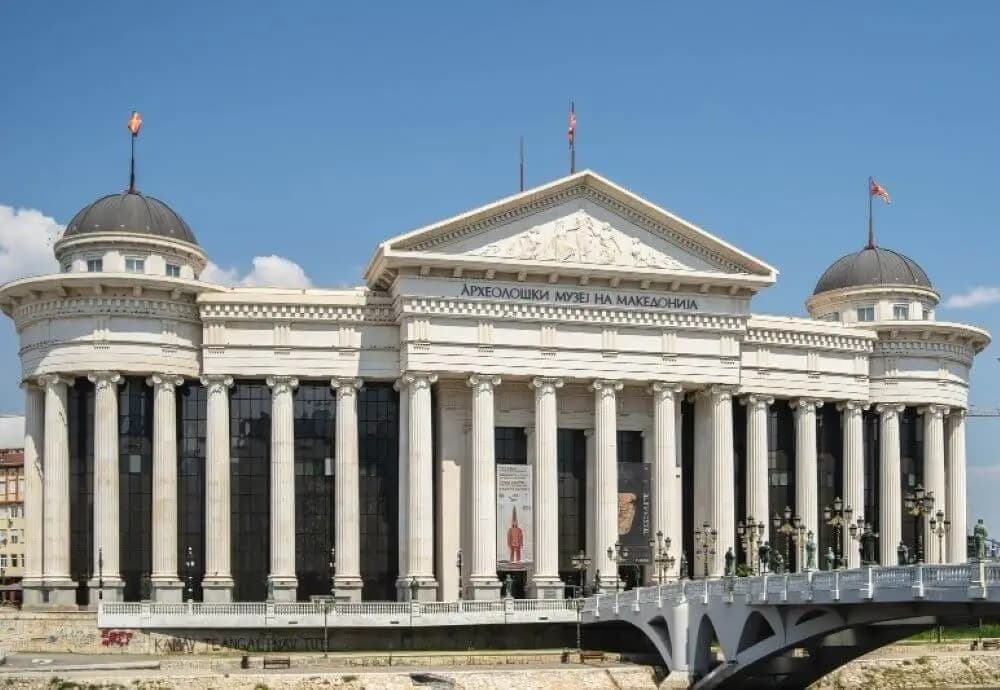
(580,239)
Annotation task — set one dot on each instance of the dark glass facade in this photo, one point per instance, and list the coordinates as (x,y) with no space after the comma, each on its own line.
(510,447)
(80,409)
(572,462)
(829,452)
(780,473)
(871,432)
(191,432)
(378,458)
(740,413)
(315,417)
(911,465)
(687,485)
(250,487)
(135,486)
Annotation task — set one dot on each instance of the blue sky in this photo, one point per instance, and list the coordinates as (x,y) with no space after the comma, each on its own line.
(314,130)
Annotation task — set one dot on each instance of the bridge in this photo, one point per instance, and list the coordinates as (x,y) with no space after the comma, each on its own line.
(767,631)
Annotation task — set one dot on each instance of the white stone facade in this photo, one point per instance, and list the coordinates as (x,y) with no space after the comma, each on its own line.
(576,305)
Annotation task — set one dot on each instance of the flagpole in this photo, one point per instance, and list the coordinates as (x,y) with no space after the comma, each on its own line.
(131,177)
(522,163)
(871,226)
(572,141)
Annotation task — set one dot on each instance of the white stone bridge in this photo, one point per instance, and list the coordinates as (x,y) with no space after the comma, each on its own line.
(768,631)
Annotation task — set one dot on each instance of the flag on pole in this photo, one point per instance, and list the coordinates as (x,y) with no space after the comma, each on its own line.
(571,132)
(875,189)
(135,123)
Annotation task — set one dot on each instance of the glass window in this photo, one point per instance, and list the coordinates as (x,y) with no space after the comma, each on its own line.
(378,468)
(900,312)
(866,313)
(572,515)
(80,404)
(925,312)
(95,265)
(511,445)
(250,488)
(191,422)
(315,411)
(173,271)
(135,484)
(135,264)
(3,560)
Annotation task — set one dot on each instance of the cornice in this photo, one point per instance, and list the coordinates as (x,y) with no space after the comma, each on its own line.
(105,304)
(916,347)
(381,311)
(794,338)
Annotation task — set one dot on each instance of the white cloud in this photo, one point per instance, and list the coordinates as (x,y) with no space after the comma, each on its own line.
(26,238)
(976,297)
(269,271)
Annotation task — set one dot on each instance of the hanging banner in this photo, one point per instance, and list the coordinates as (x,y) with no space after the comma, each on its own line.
(633,511)
(514,517)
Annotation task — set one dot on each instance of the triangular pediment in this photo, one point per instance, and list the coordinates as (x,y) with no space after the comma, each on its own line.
(582,222)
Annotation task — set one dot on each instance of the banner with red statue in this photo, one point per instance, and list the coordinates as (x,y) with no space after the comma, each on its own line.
(514,516)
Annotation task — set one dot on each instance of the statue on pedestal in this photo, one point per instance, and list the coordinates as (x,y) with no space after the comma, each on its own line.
(779,563)
(830,558)
(979,540)
(810,551)
(763,555)
(730,559)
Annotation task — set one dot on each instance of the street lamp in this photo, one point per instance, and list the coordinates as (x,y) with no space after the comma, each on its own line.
(940,527)
(683,568)
(838,518)
(750,535)
(100,573)
(660,550)
(458,564)
(789,527)
(919,504)
(862,532)
(705,538)
(617,555)
(581,562)
(189,574)
(332,565)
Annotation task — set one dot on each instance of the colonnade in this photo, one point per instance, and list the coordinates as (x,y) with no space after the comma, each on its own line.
(47,575)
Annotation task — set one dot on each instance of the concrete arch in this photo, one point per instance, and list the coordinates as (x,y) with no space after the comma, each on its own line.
(703,661)
(757,629)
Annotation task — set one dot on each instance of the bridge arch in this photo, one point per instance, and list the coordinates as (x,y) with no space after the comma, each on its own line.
(756,630)
(703,659)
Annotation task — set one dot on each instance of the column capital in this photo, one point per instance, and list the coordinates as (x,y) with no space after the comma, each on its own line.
(665,387)
(853,406)
(957,413)
(587,433)
(483,382)
(606,385)
(216,383)
(938,411)
(104,379)
(165,381)
(545,384)
(347,386)
(718,392)
(757,400)
(418,380)
(282,384)
(889,409)
(47,380)
(529,432)
(805,404)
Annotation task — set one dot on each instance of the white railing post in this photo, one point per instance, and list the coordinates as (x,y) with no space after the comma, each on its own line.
(616,602)
(918,584)
(977,585)
(835,594)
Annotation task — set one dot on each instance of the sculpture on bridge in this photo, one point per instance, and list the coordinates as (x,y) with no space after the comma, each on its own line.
(779,564)
(684,566)
(730,560)
(903,553)
(763,555)
(830,558)
(810,551)
(979,540)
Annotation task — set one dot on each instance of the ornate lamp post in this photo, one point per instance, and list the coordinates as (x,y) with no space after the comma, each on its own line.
(940,527)
(683,568)
(919,504)
(100,573)
(332,565)
(705,538)
(660,550)
(750,536)
(458,564)
(861,531)
(581,562)
(617,554)
(838,518)
(189,574)
(792,528)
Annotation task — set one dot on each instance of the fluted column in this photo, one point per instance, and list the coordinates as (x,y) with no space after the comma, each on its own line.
(722,504)
(218,582)
(421,500)
(483,582)
(934,478)
(61,589)
(347,523)
(806,466)
(956,488)
(605,477)
(666,485)
(166,586)
(281,579)
(106,518)
(854,473)
(756,475)
(34,511)
(402,579)
(890,501)
(546,583)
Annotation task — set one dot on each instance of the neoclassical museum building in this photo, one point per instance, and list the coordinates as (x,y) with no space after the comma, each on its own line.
(542,378)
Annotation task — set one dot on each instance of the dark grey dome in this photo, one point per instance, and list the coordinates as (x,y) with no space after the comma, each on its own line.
(872,266)
(130,212)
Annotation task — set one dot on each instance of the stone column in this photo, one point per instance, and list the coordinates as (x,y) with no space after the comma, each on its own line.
(106,518)
(605,478)
(806,469)
(34,511)
(217,585)
(61,589)
(665,484)
(546,583)
(402,579)
(483,582)
(421,502)
(281,580)
(854,473)
(956,488)
(890,500)
(934,478)
(756,475)
(166,586)
(722,505)
(347,492)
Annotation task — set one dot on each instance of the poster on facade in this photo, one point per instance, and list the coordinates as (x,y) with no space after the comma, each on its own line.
(514,515)
(634,511)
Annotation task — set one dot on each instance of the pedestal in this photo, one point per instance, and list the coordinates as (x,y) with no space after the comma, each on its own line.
(547,588)
(217,590)
(113,590)
(283,589)
(60,592)
(167,591)
(483,588)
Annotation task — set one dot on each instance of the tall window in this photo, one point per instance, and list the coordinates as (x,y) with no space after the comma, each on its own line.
(80,406)
(192,429)
(572,467)
(780,471)
(687,484)
(378,458)
(740,413)
(900,312)
(135,485)
(250,486)
(866,313)
(511,445)
(173,271)
(911,464)
(830,475)
(315,412)
(871,431)
(95,265)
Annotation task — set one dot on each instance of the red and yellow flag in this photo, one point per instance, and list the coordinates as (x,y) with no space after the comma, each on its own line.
(875,189)
(135,123)
(571,132)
